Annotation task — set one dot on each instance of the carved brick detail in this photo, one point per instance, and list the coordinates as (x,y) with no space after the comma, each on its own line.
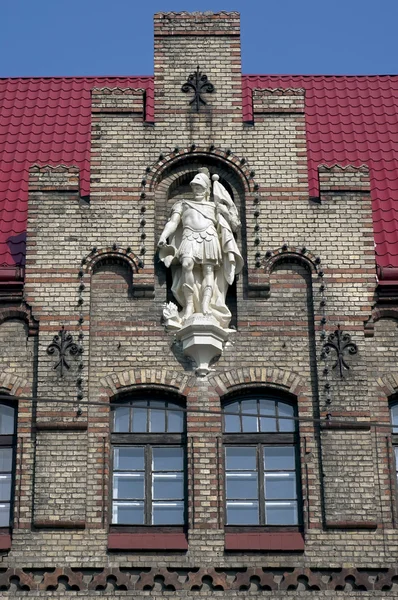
(191,579)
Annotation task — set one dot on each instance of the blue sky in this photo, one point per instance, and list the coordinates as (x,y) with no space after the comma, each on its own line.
(115,37)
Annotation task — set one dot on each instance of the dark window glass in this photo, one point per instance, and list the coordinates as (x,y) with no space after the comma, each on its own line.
(265,415)
(7,446)
(394,422)
(148,463)
(261,479)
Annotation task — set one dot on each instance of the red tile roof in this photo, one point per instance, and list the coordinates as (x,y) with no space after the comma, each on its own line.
(45,121)
(350,120)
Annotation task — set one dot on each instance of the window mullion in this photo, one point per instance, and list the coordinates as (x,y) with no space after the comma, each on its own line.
(261,499)
(148,485)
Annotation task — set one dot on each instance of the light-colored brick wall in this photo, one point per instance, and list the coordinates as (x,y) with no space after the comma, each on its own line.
(84,271)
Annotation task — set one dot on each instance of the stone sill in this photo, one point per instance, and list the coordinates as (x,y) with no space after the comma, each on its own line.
(148,541)
(283,541)
(5,539)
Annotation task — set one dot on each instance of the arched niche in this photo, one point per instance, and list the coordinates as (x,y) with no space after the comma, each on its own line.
(174,185)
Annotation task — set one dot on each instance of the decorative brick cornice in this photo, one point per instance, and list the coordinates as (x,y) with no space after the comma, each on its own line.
(191,579)
(128,381)
(278,100)
(337,178)
(206,24)
(53,178)
(242,379)
(118,100)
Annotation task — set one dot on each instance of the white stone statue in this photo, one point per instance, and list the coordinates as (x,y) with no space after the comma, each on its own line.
(202,252)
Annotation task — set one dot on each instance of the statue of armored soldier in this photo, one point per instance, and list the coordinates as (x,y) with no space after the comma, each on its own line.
(198,244)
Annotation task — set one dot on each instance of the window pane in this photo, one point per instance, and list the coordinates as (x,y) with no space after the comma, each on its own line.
(242,485)
(232,422)
(6,420)
(242,513)
(167,459)
(128,458)
(240,458)
(267,407)
(5,487)
(121,417)
(394,417)
(281,513)
(280,485)
(128,485)
(158,417)
(140,417)
(4,515)
(286,410)
(168,486)
(5,459)
(249,423)
(279,458)
(128,513)
(168,513)
(175,421)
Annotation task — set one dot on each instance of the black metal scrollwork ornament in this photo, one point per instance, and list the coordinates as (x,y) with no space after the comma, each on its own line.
(340,343)
(198,83)
(63,344)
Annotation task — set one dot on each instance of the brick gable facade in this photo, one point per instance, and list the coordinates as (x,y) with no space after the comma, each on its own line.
(92,269)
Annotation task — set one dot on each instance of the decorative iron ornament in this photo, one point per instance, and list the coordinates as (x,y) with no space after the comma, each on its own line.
(340,343)
(198,84)
(63,344)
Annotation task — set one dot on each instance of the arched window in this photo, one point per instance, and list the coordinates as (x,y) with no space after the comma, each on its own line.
(7,445)
(261,461)
(148,454)
(394,437)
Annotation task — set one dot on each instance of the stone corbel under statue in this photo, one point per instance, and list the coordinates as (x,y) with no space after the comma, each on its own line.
(199,246)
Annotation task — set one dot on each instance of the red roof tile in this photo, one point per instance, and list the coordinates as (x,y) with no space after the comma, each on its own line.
(350,120)
(45,121)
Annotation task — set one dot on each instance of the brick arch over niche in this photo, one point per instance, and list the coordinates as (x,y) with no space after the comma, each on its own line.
(179,173)
(218,161)
(291,254)
(21,313)
(108,256)
(123,382)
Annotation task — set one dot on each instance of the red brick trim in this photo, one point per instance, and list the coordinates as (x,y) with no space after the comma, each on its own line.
(48,524)
(354,425)
(284,541)
(351,525)
(61,425)
(5,541)
(147,541)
